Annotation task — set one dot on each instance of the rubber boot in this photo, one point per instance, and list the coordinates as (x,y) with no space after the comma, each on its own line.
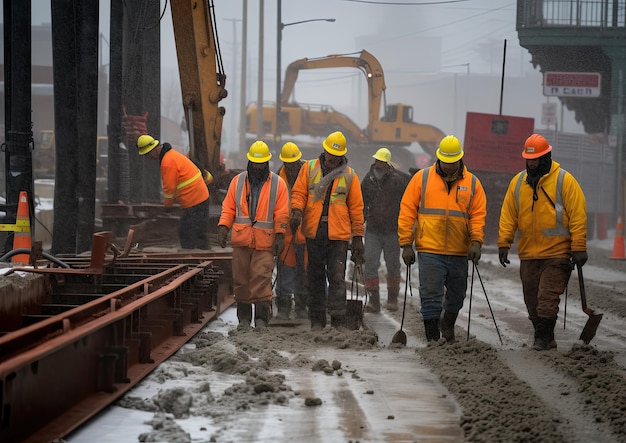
(284,308)
(431,327)
(244,315)
(318,320)
(544,329)
(262,314)
(374,302)
(447,326)
(393,289)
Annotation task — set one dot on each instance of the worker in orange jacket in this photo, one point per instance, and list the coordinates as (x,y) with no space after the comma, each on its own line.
(443,211)
(256,207)
(326,199)
(292,262)
(183,183)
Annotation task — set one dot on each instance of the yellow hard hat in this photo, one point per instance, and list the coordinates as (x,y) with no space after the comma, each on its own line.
(450,149)
(335,144)
(146,143)
(259,152)
(290,153)
(383,154)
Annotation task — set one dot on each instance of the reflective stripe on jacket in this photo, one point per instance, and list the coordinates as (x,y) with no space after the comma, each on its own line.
(272,212)
(442,222)
(182,181)
(554,225)
(345,209)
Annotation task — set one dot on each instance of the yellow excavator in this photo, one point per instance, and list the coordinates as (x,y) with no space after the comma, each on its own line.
(394,129)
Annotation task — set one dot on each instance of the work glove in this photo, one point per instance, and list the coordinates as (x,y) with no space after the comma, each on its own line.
(295,220)
(222,233)
(358,251)
(408,255)
(579,258)
(503,255)
(474,252)
(279,244)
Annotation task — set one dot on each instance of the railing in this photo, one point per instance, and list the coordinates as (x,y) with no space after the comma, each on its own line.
(602,14)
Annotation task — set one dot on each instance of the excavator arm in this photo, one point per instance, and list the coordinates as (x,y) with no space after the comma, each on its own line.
(202,78)
(365,62)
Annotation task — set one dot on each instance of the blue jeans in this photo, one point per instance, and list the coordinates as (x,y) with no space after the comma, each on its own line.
(443,283)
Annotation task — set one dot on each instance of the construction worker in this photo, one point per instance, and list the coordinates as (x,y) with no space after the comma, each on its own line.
(183,183)
(256,207)
(443,212)
(326,199)
(547,207)
(291,263)
(382,188)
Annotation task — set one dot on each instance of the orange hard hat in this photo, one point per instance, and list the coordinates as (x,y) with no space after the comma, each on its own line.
(536,146)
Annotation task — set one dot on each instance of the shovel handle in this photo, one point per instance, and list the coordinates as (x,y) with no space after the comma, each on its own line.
(581,283)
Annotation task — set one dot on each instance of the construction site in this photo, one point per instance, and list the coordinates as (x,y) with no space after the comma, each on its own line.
(110,331)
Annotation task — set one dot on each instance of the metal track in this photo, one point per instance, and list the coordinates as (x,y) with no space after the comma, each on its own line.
(97,331)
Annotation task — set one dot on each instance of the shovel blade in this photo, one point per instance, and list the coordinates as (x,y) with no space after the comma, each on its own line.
(589,331)
(399,337)
(354,314)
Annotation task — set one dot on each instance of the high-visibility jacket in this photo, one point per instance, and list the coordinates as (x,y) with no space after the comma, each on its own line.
(438,221)
(288,256)
(272,212)
(554,225)
(345,210)
(182,180)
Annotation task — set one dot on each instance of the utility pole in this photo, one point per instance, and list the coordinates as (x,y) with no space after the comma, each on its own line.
(244,68)
(259,100)
(233,123)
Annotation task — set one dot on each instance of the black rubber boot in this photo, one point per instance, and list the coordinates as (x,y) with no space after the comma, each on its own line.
(374,303)
(447,326)
(431,327)
(543,331)
(244,315)
(318,320)
(262,314)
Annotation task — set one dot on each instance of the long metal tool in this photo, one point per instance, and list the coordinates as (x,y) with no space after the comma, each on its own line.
(589,331)
(400,336)
(469,314)
(488,304)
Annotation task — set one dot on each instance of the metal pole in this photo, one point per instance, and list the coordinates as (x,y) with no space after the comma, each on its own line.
(279,38)
(259,100)
(502,80)
(244,67)
(620,139)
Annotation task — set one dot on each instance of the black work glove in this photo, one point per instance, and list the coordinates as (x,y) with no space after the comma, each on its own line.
(474,252)
(222,233)
(408,255)
(278,245)
(295,220)
(503,255)
(579,258)
(358,251)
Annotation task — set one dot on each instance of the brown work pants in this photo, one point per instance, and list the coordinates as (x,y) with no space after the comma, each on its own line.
(252,275)
(543,282)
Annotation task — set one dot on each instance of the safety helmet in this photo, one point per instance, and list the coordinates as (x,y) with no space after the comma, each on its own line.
(335,144)
(146,143)
(259,152)
(536,146)
(450,149)
(290,153)
(383,154)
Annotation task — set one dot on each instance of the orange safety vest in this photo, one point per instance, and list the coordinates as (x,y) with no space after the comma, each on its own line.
(272,212)
(345,209)
(182,181)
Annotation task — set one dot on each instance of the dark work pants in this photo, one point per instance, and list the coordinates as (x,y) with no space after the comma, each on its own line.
(193,227)
(543,282)
(327,260)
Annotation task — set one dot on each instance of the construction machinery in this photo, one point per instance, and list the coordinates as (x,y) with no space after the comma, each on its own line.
(395,129)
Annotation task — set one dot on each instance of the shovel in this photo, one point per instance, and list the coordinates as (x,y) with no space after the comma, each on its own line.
(400,336)
(589,331)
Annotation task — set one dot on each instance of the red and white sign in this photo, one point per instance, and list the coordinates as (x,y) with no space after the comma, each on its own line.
(571,84)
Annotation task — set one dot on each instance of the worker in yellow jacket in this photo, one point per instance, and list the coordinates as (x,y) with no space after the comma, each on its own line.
(183,183)
(256,207)
(326,199)
(547,206)
(443,213)
(291,279)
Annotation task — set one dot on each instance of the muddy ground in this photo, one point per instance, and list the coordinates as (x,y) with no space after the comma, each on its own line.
(504,390)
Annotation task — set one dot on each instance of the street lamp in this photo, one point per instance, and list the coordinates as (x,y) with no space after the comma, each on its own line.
(281,25)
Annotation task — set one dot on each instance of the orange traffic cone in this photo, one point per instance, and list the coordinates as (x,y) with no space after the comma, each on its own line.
(21,237)
(618,242)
